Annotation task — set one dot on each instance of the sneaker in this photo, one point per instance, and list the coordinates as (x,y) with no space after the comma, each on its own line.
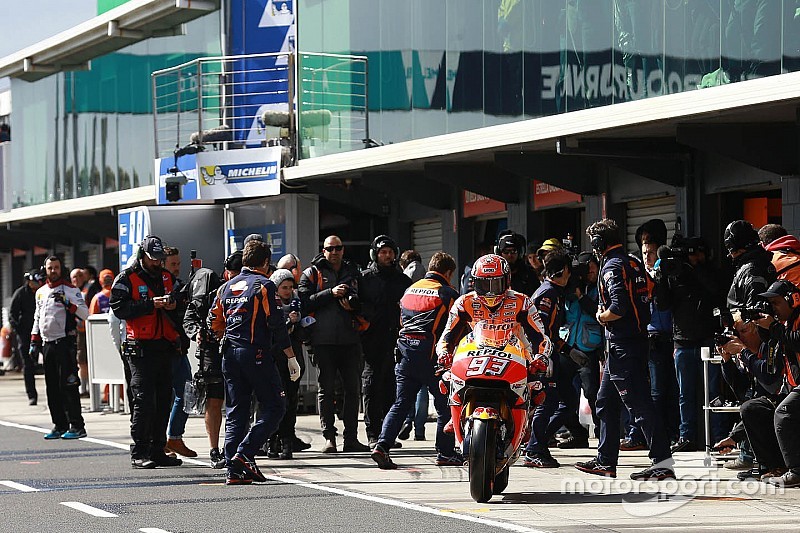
(593,466)
(653,473)
(789,479)
(145,464)
(54,434)
(381,456)
(286,450)
(237,476)
(217,459)
(738,464)
(74,434)
(299,445)
(571,443)
(177,446)
(161,459)
(683,445)
(330,446)
(449,460)
(249,466)
(772,473)
(540,460)
(628,445)
(405,431)
(355,446)
(750,473)
(273,447)
(33,401)
(563,435)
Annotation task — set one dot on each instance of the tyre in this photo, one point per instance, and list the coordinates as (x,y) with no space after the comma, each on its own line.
(482,460)
(501,481)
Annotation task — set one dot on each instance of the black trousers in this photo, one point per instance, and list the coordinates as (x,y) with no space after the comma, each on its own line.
(757,416)
(346,360)
(787,428)
(62,382)
(28,364)
(379,384)
(151,389)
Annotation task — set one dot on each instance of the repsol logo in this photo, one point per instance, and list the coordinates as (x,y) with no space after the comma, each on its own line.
(239,300)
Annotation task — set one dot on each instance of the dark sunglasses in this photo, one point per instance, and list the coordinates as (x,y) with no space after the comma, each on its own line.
(557,274)
(338,248)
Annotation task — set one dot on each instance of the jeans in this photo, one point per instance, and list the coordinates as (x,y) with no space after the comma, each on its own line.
(344,359)
(689,372)
(787,428)
(249,371)
(569,401)
(181,373)
(419,415)
(379,385)
(413,372)
(28,364)
(625,384)
(62,382)
(664,383)
(292,389)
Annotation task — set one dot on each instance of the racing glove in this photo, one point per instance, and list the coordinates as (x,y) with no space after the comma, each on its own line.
(294,369)
(445,360)
(541,364)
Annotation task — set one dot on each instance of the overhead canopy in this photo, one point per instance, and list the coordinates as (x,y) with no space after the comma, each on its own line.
(124,25)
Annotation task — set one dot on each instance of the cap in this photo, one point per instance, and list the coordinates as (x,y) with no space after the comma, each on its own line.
(35,274)
(153,247)
(281,275)
(780,288)
(550,244)
(384,241)
(253,237)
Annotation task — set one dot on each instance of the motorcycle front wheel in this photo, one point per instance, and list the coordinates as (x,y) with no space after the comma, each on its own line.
(482,460)
(501,481)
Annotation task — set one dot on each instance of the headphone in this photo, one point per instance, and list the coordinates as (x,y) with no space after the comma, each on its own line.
(385,240)
(793,296)
(598,242)
(515,239)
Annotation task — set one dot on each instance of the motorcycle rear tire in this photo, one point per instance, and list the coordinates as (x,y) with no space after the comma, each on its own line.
(482,460)
(501,481)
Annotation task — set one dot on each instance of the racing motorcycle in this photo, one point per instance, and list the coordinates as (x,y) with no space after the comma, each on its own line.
(488,393)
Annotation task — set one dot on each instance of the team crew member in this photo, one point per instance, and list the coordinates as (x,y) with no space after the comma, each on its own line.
(246,313)
(20,316)
(625,312)
(549,300)
(423,312)
(58,305)
(141,295)
(492,300)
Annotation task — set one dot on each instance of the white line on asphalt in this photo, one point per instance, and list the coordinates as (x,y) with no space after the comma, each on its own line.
(19,486)
(385,501)
(152,530)
(88,509)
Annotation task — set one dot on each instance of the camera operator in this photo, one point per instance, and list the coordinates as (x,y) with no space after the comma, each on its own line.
(586,336)
(382,286)
(689,287)
(511,247)
(329,289)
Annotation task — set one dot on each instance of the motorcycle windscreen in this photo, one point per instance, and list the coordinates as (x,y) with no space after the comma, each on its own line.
(492,335)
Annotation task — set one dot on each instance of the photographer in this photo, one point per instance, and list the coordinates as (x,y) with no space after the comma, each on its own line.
(762,366)
(689,287)
(329,289)
(203,288)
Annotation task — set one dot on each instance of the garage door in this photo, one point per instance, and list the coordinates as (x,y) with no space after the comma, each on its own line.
(427,238)
(640,211)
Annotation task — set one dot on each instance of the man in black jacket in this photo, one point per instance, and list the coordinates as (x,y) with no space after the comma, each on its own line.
(691,291)
(20,316)
(382,286)
(511,247)
(754,269)
(329,288)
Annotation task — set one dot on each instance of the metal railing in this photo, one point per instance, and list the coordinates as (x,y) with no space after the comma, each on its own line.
(312,104)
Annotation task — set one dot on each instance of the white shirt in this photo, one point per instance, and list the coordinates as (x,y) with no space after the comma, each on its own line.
(50,317)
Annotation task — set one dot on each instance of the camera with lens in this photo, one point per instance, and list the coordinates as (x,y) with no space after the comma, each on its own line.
(672,258)
(726,325)
(353,300)
(756,311)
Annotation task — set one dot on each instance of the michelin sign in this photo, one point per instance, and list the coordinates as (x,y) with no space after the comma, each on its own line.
(224,174)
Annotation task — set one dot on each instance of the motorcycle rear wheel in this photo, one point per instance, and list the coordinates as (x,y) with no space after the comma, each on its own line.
(482,460)
(501,481)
